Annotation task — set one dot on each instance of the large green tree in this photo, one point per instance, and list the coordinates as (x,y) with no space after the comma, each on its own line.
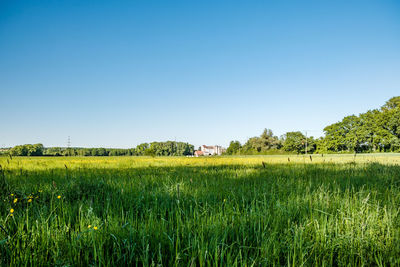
(265,142)
(374,130)
(234,148)
(294,142)
(394,102)
(27,150)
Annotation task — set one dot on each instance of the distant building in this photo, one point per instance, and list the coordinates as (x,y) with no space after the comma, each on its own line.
(198,153)
(209,151)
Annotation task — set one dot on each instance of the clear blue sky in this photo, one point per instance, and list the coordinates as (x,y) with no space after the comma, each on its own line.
(118,73)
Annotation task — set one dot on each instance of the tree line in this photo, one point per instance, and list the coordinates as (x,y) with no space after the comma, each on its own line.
(376,130)
(268,143)
(168,148)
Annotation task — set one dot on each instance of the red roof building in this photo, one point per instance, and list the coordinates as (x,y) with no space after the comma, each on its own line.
(198,153)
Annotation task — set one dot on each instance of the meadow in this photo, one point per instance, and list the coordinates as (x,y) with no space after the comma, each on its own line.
(331,210)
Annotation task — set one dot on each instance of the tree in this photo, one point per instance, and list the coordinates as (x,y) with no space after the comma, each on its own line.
(268,141)
(265,142)
(19,151)
(374,130)
(27,150)
(234,148)
(252,145)
(394,102)
(139,150)
(343,135)
(294,142)
(149,152)
(37,150)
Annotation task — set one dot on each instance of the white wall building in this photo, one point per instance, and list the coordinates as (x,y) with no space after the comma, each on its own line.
(212,150)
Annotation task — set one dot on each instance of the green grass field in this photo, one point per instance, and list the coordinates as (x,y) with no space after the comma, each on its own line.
(224,211)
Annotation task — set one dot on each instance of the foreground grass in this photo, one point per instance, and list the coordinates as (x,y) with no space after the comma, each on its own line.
(336,210)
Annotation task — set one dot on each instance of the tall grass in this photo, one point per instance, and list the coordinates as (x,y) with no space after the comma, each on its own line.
(231,211)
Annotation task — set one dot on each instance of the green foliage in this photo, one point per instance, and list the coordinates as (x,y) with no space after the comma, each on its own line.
(376,130)
(373,131)
(294,141)
(234,148)
(169,148)
(394,102)
(4,151)
(27,150)
(140,149)
(265,142)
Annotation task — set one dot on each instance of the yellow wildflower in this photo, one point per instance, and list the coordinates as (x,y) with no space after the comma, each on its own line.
(89,226)
(11,210)
(95,228)
(15,200)
(59,197)
(29,200)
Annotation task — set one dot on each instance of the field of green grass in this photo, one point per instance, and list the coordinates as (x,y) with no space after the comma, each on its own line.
(330,210)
